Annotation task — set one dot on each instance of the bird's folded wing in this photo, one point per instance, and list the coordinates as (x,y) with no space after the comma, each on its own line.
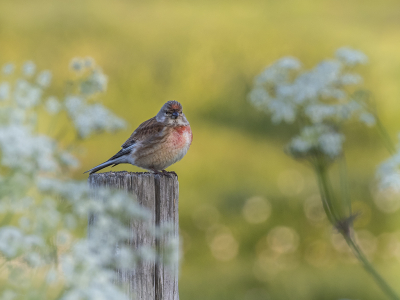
(146,131)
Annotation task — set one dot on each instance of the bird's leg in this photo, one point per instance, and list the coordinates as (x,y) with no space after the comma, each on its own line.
(156,172)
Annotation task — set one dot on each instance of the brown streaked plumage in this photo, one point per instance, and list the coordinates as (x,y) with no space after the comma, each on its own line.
(157,143)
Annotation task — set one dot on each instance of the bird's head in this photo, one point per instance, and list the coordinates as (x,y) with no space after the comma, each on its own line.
(171,114)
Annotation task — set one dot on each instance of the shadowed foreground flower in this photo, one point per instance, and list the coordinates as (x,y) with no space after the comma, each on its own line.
(43,252)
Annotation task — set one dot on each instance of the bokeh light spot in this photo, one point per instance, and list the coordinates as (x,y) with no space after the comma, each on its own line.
(283,239)
(223,245)
(387,201)
(256,210)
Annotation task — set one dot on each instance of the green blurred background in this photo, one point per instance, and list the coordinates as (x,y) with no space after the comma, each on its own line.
(249,216)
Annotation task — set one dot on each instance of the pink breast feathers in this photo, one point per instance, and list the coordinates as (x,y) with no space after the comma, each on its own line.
(183,136)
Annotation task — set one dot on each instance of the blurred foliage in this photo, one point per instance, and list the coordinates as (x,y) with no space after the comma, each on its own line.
(205,54)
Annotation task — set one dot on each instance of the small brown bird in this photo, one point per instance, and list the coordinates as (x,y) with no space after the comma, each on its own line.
(157,143)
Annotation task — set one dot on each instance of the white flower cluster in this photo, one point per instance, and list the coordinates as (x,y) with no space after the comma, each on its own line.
(23,150)
(90,117)
(315,139)
(319,98)
(88,265)
(388,173)
(41,210)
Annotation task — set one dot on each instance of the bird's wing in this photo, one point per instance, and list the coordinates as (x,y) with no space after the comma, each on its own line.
(148,130)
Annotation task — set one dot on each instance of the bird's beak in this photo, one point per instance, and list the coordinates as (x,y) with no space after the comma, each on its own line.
(175,114)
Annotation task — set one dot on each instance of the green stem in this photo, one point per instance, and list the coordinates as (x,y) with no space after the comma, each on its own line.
(326,196)
(335,220)
(387,141)
(370,269)
(344,185)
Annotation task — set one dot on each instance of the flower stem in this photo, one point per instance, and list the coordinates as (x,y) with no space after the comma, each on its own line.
(387,141)
(344,225)
(370,269)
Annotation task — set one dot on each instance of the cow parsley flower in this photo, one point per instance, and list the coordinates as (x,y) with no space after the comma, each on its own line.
(8,69)
(89,62)
(315,139)
(90,118)
(4,91)
(68,159)
(76,64)
(288,93)
(321,98)
(28,69)
(44,78)
(46,207)
(53,106)
(388,173)
(368,119)
(95,83)
(27,95)
(351,57)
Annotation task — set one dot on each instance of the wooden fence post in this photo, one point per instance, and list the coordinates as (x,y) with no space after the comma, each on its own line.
(159,194)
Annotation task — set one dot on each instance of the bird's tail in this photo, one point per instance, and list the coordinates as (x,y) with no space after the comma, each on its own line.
(103,165)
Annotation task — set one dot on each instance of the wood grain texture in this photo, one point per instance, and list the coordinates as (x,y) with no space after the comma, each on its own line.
(159,194)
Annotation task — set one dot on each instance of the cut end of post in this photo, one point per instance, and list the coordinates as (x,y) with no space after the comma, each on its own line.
(124,173)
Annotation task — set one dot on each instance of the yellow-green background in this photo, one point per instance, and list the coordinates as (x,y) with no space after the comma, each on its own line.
(205,55)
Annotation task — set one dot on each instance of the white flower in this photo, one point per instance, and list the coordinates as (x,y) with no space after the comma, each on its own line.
(259,97)
(69,160)
(51,276)
(282,111)
(8,69)
(31,165)
(28,68)
(289,63)
(319,138)
(34,259)
(350,79)
(27,95)
(74,105)
(368,119)
(89,118)
(11,241)
(388,173)
(95,83)
(351,57)
(331,143)
(4,91)
(76,64)
(8,295)
(320,112)
(53,106)
(44,78)
(89,62)
(22,150)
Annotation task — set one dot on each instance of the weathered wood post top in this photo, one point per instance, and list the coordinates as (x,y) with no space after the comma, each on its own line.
(159,194)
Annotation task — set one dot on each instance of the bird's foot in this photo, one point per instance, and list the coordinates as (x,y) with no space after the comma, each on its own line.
(156,172)
(168,174)
(165,173)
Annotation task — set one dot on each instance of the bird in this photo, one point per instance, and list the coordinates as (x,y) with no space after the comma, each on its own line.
(157,143)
